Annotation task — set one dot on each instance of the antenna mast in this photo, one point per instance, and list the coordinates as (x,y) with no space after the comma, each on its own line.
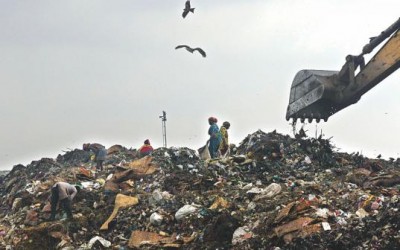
(163,118)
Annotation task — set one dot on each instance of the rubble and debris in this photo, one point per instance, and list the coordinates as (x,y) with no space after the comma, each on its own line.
(274,192)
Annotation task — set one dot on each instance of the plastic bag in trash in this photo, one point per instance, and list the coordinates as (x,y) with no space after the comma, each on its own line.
(204,152)
(103,241)
(184,211)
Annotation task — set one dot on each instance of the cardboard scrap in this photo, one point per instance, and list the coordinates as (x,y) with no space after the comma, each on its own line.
(113,184)
(141,238)
(121,201)
(304,232)
(219,203)
(115,149)
(284,212)
(143,166)
(85,172)
(310,229)
(292,226)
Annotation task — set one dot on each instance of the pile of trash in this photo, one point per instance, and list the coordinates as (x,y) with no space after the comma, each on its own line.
(273,192)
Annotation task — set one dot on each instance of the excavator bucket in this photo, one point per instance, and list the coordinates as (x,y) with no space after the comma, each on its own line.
(318,94)
(313,94)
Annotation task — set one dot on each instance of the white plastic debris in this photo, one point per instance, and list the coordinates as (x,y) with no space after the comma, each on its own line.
(87,184)
(251,206)
(268,192)
(342,221)
(241,234)
(255,190)
(96,185)
(103,242)
(362,213)
(322,212)
(32,187)
(326,226)
(16,204)
(311,197)
(248,186)
(156,219)
(166,195)
(185,211)
(157,195)
(307,160)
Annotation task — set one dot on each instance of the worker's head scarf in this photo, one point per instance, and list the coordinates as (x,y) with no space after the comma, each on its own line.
(212,120)
(147,141)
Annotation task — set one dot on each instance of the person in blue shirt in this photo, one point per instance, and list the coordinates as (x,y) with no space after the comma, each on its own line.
(215,137)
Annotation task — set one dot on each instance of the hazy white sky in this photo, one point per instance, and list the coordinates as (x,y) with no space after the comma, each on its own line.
(103,71)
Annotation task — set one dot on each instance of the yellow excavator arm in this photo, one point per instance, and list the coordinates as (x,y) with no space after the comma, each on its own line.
(318,94)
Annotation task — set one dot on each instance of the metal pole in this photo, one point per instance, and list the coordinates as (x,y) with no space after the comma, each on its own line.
(164,128)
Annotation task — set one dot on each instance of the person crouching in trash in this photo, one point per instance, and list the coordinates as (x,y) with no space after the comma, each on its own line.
(62,193)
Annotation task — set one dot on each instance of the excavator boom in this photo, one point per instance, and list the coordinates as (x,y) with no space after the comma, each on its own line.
(318,94)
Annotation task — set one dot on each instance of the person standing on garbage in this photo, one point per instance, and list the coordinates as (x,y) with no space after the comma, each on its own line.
(100,153)
(62,193)
(146,149)
(224,146)
(215,137)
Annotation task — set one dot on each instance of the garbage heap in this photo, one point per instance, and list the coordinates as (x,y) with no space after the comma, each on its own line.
(273,192)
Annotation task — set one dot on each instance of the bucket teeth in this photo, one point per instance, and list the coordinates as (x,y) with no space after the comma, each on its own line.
(303,118)
(310,117)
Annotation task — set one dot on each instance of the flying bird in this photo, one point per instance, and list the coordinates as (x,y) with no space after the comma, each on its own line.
(187,9)
(191,50)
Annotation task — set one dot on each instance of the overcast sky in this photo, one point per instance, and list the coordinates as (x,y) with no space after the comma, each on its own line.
(103,71)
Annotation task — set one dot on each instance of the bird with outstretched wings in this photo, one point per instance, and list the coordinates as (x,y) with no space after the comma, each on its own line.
(187,9)
(191,50)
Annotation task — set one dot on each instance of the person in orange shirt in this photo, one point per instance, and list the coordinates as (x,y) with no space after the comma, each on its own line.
(146,149)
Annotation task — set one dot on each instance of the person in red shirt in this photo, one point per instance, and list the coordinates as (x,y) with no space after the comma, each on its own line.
(146,149)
